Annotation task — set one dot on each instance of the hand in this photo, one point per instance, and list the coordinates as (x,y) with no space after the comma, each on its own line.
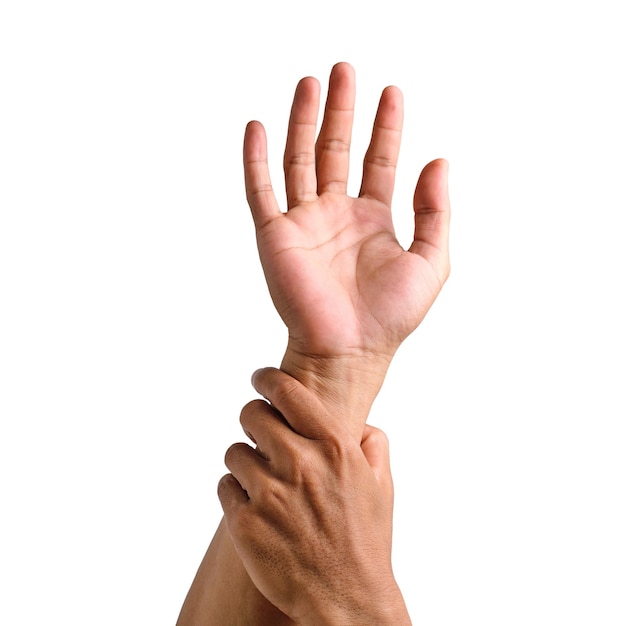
(337,275)
(310,511)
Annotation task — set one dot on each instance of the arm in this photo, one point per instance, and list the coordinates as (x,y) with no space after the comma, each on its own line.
(222,593)
(347,291)
(310,510)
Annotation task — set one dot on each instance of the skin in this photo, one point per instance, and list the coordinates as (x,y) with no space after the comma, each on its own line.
(310,510)
(347,291)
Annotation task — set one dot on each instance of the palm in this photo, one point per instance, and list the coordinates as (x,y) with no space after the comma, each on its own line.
(335,270)
(339,278)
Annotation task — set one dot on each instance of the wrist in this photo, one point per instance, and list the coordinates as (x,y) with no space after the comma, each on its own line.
(386,608)
(347,385)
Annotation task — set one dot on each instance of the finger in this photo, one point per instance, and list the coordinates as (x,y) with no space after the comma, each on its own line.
(299,159)
(332,150)
(432,217)
(247,466)
(300,407)
(267,428)
(231,494)
(381,158)
(259,190)
(375,447)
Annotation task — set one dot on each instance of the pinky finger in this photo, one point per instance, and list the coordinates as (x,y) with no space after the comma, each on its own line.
(230,493)
(259,192)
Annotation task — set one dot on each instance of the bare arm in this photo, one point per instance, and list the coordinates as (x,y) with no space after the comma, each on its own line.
(222,593)
(347,291)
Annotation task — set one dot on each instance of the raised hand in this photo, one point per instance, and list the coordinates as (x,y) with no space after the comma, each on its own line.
(344,286)
(336,272)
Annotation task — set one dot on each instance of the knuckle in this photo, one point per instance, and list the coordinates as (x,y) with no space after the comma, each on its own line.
(300,158)
(379,161)
(285,389)
(301,464)
(333,145)
(271,494)
(340,442)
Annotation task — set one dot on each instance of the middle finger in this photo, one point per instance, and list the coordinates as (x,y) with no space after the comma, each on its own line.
(332,150)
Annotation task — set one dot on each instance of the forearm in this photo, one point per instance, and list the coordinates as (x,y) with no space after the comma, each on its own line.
(222,592)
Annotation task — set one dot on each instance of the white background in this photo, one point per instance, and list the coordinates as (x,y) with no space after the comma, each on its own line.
(133,307)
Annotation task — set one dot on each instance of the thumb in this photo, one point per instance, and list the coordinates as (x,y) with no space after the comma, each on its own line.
(431,203)
(375,447)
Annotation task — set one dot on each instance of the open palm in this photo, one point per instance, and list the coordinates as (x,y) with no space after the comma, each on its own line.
(337,275)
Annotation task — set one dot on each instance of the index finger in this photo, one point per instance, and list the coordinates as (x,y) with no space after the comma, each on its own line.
(301,408)
(332,149)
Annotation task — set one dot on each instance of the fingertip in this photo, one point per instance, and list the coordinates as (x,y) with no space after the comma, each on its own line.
(256,375)
(254,127)
(438,164)
(250,409)
(444,164)
(391,108)
(393,91)
(254,142)
(262,377)
(438,174)
(375,447)
(375,439)
(431,190)
(308,87)
(224,483)
(229,492)
(342,67)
